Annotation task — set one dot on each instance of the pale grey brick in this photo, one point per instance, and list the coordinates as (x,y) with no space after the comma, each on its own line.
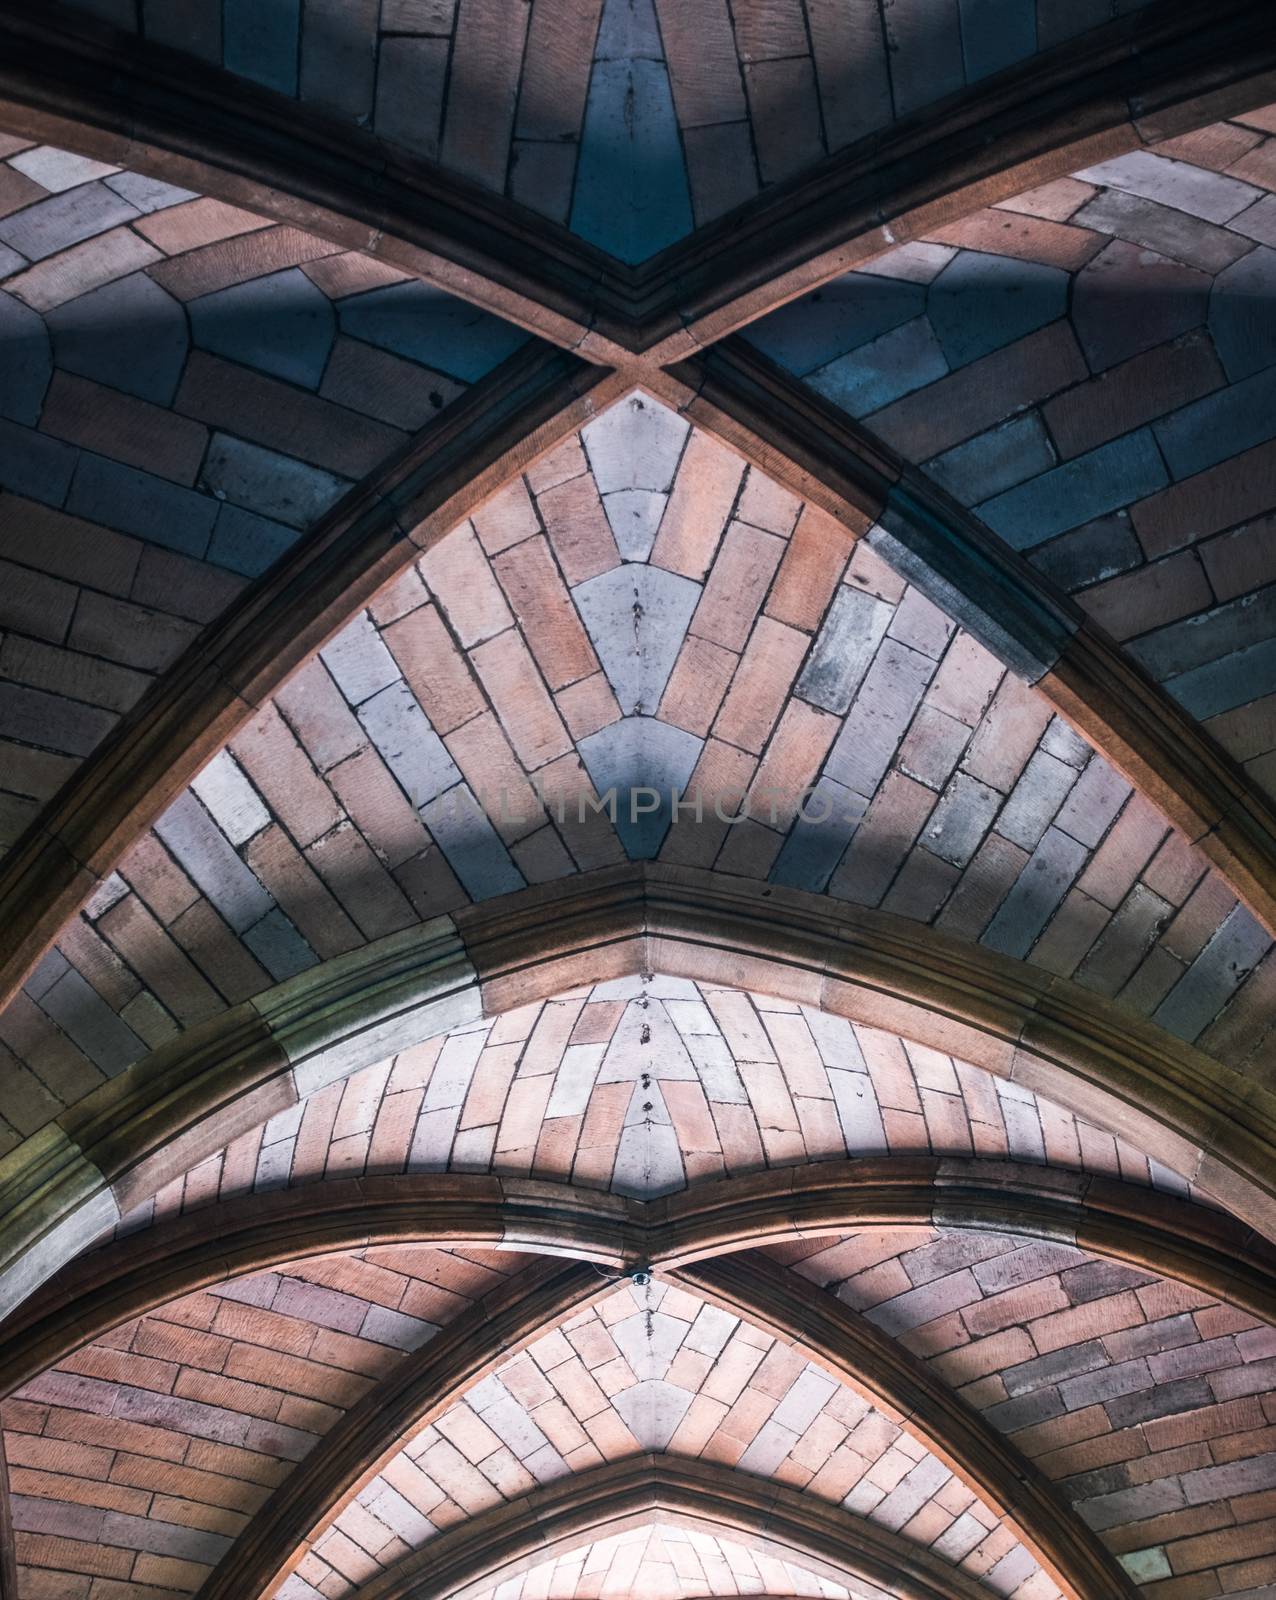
(206,854)
(852,630)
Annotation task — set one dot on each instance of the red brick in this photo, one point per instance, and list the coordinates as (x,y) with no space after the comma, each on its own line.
(435,669)
(761,684)
(521,700)
(461,579)
(703,494)
(578,528)
(740,577)
(554,632)
(1025,238)
(697,684)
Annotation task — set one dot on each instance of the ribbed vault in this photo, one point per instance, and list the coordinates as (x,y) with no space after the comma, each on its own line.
(424,427)
(1020,1329)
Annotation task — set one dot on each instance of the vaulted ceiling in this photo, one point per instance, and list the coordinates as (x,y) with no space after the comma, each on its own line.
(638,800)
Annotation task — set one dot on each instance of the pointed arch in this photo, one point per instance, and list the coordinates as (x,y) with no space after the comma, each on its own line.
(137,1272)
(574,1511)
(186,1099)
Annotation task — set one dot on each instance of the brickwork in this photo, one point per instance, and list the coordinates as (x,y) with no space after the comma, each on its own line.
(662,1562)
(135,1463)
(1088,367)
(190,388)
(643,1087)
(629,121)
(1150,1404)
(655,1369)
(186,389)
(638,609)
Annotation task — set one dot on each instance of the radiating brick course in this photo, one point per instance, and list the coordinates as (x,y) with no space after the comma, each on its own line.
(591,114)
(458,741)
(1123,444)
(178,404)
(645,1087)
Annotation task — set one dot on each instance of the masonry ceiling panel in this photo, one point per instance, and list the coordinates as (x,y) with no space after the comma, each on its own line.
(636,710)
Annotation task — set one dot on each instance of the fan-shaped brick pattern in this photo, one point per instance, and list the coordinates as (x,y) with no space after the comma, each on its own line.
(1089,366)
(644,1087)
(135,1463)
(640,610)
(655,1369)
(662,1562)
(1150,1403)
(185,389)
(630,121)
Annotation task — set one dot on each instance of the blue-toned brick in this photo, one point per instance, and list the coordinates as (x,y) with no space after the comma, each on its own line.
(275,486)
(1089,486)
(640,753)
(1235,680)
(147,194)
(50,721)
(279,947)
(1162,228)
(957,825)
(259,41)
(89,1022)
(1227,960)
(1182,646)
(1036,893)
(996,34)
(408,744)
(1196,190)
(130,335)
(819,837)
(852,630)
(637,618)
(628,30)
(635,445)
(1102,549)
(1127,300)
(994,461)
(907,358)
(631,196)
(426,325)
(34,465)
(979,303)
(28,362)
(840,317)
(923,40)
(1242,314)
(136,502)
(206,854)
(246,543)
(1221,425)
(65,219)
(634,516)
(56,169)
(339,56)
(883,709)
(1042,788)
(411,75)
(279,324)
(471,844)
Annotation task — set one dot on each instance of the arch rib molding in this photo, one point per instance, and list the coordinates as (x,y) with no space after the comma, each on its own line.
(673,1236)
(767,1516)
(139,1272)
(63,1185)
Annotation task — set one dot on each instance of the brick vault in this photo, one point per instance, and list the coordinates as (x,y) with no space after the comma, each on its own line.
(637,799)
